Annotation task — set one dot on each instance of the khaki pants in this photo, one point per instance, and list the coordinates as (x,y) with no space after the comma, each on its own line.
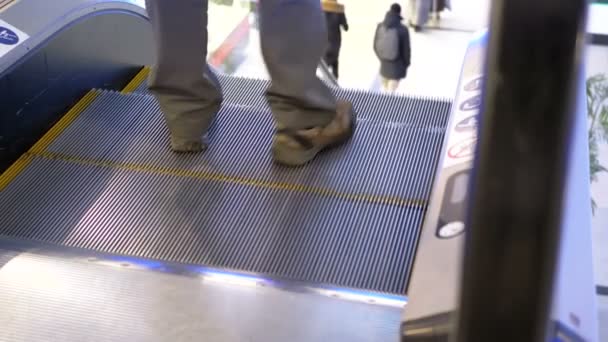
(293,39)
(390,85)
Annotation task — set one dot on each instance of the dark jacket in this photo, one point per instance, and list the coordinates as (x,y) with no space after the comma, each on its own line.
(441,5)
(335,21)
(397,69)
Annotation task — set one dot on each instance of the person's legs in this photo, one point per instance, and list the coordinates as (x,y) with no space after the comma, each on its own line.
(334,69)
(308,116)
(332,62)
(188,92)
(411,12)
(423,10)
(293,39)
(384,83)
(389,85)
(393,85)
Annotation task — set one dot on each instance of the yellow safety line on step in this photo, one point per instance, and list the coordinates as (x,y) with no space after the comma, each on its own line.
(64,122)
(218,177)
(136,81)
(14,170)
(40,146)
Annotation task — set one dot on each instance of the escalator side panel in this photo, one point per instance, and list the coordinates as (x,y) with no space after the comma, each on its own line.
(434,282)
(93,52)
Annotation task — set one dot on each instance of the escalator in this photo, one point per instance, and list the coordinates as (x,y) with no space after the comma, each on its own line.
(106,235)
(88,182)
(103,179)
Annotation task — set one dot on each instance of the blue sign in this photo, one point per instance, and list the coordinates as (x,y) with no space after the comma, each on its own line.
(8,37)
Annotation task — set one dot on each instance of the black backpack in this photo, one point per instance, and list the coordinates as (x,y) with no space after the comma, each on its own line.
(386,42)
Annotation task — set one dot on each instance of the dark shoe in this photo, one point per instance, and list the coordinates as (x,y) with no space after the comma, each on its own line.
(189,146)
(296,148)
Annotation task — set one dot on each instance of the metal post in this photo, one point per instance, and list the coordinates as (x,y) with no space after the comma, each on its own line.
(513,225)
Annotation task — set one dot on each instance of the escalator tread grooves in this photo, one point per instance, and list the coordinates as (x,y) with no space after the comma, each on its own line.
(109,183)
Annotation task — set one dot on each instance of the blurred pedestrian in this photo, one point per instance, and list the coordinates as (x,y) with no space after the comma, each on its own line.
(418,13)
(336,21)
(392,47)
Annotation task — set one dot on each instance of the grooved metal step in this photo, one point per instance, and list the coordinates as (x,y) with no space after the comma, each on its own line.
(351,218)
(288,234)
(415,110)
(387,160)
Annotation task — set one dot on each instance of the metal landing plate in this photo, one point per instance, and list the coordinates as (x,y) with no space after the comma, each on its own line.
(65,298)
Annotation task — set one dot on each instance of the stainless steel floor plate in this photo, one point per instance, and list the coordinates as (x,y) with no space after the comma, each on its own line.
(351,218)
(59,299)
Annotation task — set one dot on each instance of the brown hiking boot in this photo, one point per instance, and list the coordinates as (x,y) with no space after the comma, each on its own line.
(295,148)
(189,145)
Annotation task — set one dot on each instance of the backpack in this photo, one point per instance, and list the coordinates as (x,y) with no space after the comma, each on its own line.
(386,43)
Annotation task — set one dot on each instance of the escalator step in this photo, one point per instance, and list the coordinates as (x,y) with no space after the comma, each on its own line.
(109,183)
(285,234)
(372,106)
(384,160)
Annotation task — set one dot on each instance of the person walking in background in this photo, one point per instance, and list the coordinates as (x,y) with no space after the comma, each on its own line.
(392,47)
(437,7)
(308,118)
(336,20)
(418,13)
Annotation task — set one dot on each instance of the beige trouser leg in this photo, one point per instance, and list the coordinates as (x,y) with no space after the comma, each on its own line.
(293,39)
(187,91)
